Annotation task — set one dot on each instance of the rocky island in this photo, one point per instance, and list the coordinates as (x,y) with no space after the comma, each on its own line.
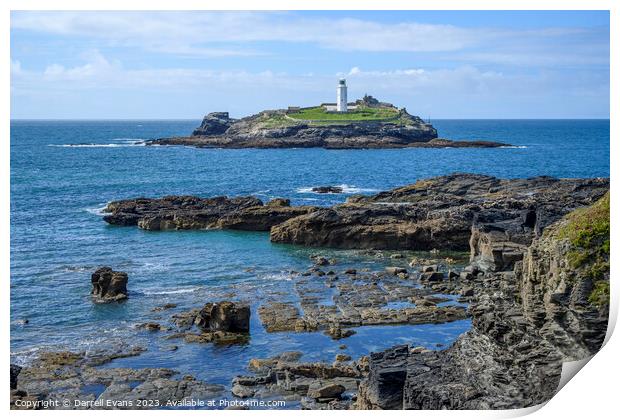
(367,124)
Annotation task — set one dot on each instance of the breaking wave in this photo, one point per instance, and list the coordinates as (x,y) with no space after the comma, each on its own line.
(120,142)
(346,189)
(182,290)
(97,211)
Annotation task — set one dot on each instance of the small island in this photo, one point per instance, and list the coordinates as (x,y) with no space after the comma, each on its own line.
(364,124)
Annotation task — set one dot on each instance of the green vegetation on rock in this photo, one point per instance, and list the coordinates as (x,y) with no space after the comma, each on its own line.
(275,120)
(587,231)
(362,113)
(600,294)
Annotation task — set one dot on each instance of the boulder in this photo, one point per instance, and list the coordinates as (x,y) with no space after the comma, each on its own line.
(394,271)
(279,202)
(429,268)
(319,260)
(433,276)
(225,317)
(15,369)
(318,389)
(337,333)
(109,285)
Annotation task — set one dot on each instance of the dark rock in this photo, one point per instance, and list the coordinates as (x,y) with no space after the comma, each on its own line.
(214,123)
(58,376)
(434,276)
(520,337)
(15,369)
(384,387)
(338,333)
(224,316)
(342,358)
(393,271)
(109,285)
(327,190)
(151,326)
(189,212)
(279,202)
(319,260)
(164,307)
(325,390)
(457,212)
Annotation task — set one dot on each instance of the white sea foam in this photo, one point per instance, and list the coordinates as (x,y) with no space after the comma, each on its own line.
(182,290)
(123,143)
(346,189)
(129,139)
(76,268)
(513,147)
(278,277)
(25,357)
(97,211)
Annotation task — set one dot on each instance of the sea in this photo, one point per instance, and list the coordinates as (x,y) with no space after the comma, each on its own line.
(64,172)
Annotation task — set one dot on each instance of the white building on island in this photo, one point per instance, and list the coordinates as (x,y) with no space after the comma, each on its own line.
(341,104)
(341,96)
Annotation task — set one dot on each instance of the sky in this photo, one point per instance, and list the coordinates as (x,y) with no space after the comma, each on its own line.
(437,64)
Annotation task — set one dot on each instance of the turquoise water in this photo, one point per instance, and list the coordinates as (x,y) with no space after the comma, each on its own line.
(63,173)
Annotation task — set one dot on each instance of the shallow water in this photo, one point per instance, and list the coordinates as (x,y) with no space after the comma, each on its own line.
(63,173)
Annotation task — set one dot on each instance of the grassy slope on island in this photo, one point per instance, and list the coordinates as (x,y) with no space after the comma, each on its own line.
(319,114)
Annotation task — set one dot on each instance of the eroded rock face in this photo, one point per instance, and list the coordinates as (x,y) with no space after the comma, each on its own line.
(214,123)
(495,218)
(189,212)
(501,363)
(109,285)
(525,324)
(565,288)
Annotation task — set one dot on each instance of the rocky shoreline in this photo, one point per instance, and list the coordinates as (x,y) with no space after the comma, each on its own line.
(536,288)
(275,129)
(495,219)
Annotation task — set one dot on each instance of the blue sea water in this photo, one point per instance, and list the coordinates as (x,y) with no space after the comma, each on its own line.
(64,172)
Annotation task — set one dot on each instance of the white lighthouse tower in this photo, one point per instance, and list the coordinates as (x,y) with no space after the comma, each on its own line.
(341,96)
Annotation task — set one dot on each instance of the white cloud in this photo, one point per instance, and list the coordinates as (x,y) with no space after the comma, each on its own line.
(97,66)
(229,34)
(189,33)
(356,71)
(99,73)
(457,90)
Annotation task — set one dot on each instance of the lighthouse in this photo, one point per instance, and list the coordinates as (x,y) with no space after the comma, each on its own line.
(341,96)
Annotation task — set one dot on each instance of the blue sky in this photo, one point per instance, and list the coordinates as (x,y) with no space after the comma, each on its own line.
(437,64)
